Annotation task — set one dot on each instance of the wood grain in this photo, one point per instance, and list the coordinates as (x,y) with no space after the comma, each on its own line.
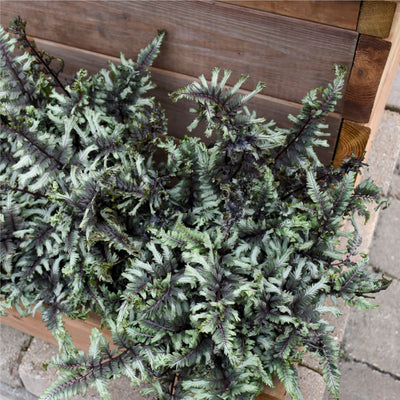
(376,18)
(356,137)
(80,332)
(278,392)
(290,55)
(178,114)
(343,14)
(387,78)
(34,326)
(369,63)
(352,140)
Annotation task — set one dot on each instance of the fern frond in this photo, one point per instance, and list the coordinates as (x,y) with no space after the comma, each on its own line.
(147,55)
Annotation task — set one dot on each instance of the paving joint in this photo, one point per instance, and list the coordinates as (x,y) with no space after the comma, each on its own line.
(314,369)
(393,108)
(375,368)
(24,349)
(378,270)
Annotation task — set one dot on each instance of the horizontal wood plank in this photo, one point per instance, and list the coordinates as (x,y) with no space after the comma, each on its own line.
(292,56)
(343,14)
(376,18)
(278,392)
(34,326)
(365,78)
(178,113)
(80,332)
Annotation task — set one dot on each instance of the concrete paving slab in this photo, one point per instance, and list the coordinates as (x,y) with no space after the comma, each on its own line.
(394,97)
(9,393)
(359,382)
(385,249)
(339,323)
(12,345)
(373,336)
(36,379)
(395,187)
(385,151)
(312,385)
(31,370)
(394,191)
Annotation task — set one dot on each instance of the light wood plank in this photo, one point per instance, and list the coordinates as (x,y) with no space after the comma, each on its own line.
(387,78)
(343,14)
(365,78)
(292,56)
(80,332)
(352,140)
(178,114)
(358,137)
(278,392)
(34,326)
(376,18)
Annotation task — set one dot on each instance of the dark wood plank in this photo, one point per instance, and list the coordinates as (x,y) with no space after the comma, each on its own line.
(178,114)
(343,14)
(376,18)
(292,56)
(369,63)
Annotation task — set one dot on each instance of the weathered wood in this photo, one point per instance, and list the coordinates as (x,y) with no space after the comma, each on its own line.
(366,74)
(343,14)
(178,114)
(352,140)
(358,137)
(80,332)
(376,18)
(289,54)
(387,78)
(278,392)
(34,326)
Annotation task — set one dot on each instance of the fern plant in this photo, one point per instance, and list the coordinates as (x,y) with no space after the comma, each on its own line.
(210,264)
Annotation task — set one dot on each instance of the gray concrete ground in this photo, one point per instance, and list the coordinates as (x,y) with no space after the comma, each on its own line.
(370,339)
(371,344)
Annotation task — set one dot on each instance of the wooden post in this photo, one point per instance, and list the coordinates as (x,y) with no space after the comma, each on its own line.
(365,77)
(376,18)
(376,63)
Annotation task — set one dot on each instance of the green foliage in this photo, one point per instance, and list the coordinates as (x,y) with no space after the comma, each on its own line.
(211,265)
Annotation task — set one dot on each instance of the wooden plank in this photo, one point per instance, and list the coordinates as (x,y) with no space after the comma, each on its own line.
(357,137)
(278,392)
(376,18)
(352,140)
(178,114)
(34,326)
(290,55)
(80,332)
(387,78)
(366,74)
(343,14)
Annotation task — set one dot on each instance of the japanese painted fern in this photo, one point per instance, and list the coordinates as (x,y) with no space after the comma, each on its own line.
(212,267)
